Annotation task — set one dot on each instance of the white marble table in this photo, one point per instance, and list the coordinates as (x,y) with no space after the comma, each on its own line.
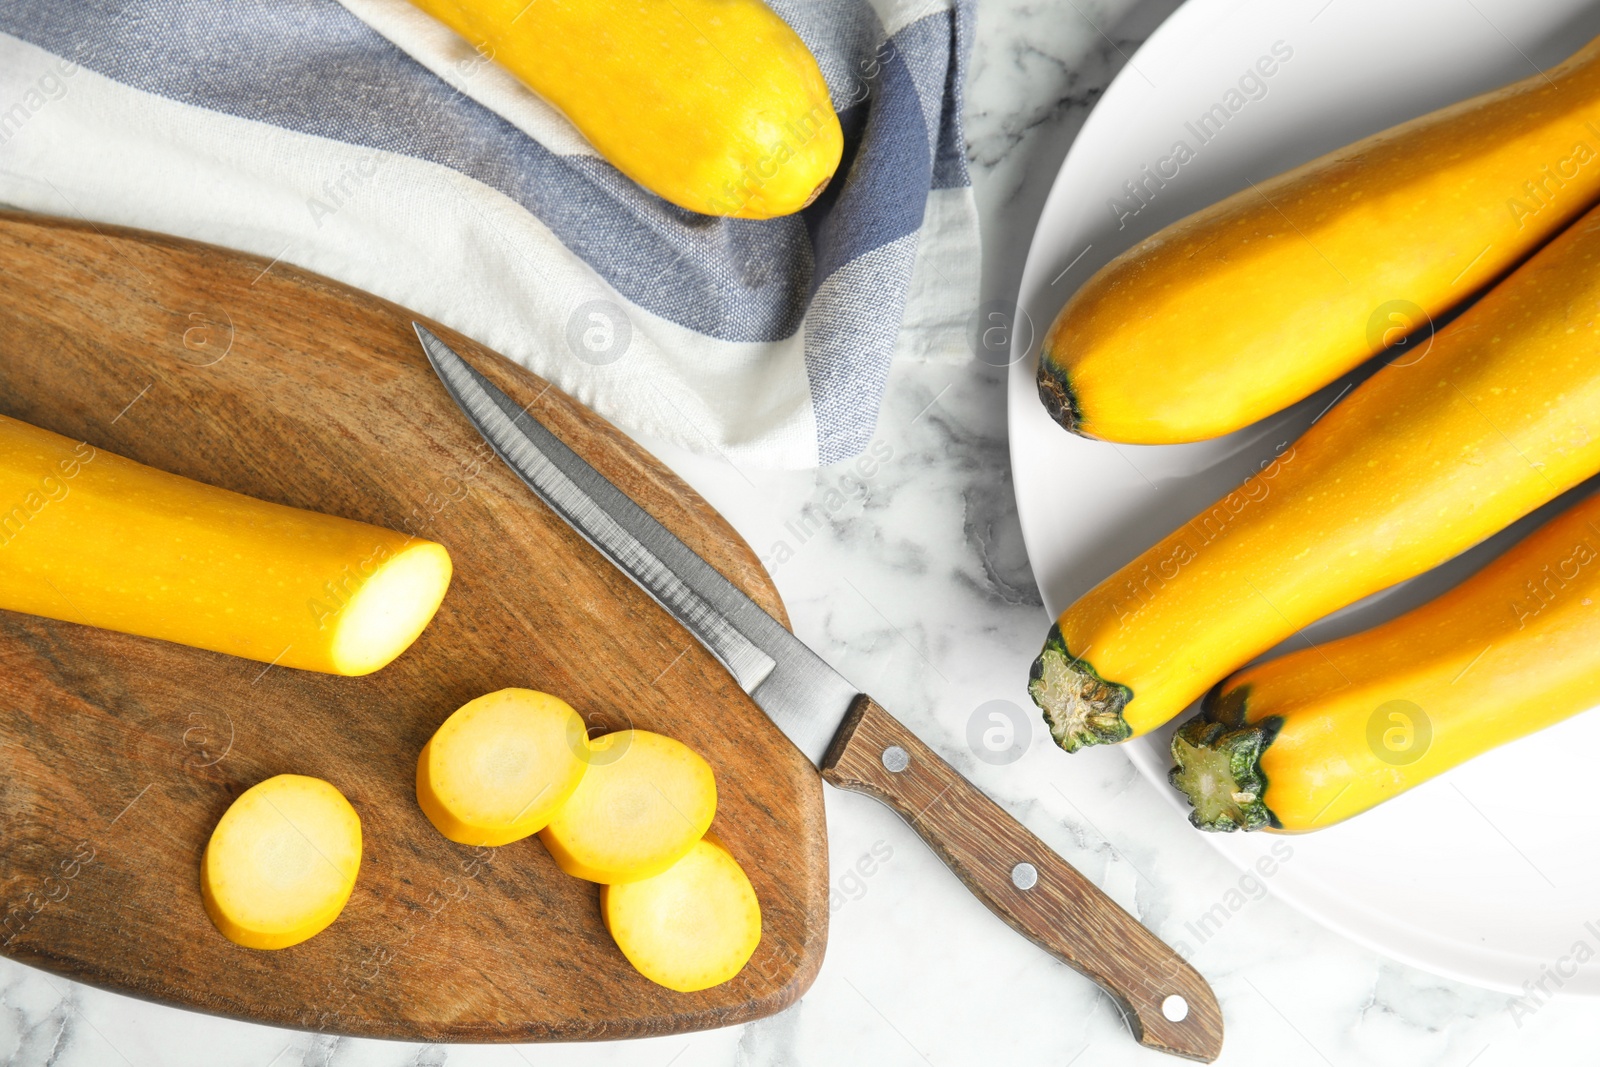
(917,587)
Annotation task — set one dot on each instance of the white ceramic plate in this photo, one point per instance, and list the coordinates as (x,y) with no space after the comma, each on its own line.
(1464,876)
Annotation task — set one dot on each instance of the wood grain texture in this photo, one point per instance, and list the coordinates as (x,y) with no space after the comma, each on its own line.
(1063,913)
(119,754)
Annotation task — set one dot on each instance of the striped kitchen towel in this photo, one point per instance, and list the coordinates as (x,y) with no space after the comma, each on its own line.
(361,140)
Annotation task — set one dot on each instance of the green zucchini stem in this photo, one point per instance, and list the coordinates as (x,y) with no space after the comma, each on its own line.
(1080,707)
(1219,770)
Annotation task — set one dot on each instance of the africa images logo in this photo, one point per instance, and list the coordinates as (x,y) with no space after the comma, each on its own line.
(1252,85)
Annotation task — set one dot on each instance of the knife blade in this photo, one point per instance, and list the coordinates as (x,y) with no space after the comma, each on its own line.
(854,742)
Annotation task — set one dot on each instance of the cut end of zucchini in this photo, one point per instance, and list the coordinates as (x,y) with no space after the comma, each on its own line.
(1080,707)
(281,863)
(501,766)
(691,927)
(1219,770)
(1055,392)
(635,815)
(391,609)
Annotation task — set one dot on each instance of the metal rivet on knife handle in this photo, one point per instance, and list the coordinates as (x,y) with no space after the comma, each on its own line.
(1024,875)
(896,759)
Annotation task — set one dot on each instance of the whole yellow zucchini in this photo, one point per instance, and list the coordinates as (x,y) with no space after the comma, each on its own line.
(89,537)
(1257,301)
(1305,740)
(714,105)
(1420,462)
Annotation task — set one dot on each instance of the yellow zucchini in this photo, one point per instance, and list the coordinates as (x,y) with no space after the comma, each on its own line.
(501,766)
(89,537)
(1313,737)
(1257,301)
(282,862)
(1420,462)
(714,105)
(641,806)
(693,926)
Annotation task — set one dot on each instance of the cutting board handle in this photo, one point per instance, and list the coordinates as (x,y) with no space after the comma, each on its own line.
(1041,896)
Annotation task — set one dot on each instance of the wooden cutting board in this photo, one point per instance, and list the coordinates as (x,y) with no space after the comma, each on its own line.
(118,754)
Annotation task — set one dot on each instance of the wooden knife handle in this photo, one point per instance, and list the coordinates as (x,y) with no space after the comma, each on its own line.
(1023,881)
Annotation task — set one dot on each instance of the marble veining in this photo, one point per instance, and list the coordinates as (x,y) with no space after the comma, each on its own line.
(909,575)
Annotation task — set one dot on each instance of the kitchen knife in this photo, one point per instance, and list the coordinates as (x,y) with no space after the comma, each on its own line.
(854,742)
